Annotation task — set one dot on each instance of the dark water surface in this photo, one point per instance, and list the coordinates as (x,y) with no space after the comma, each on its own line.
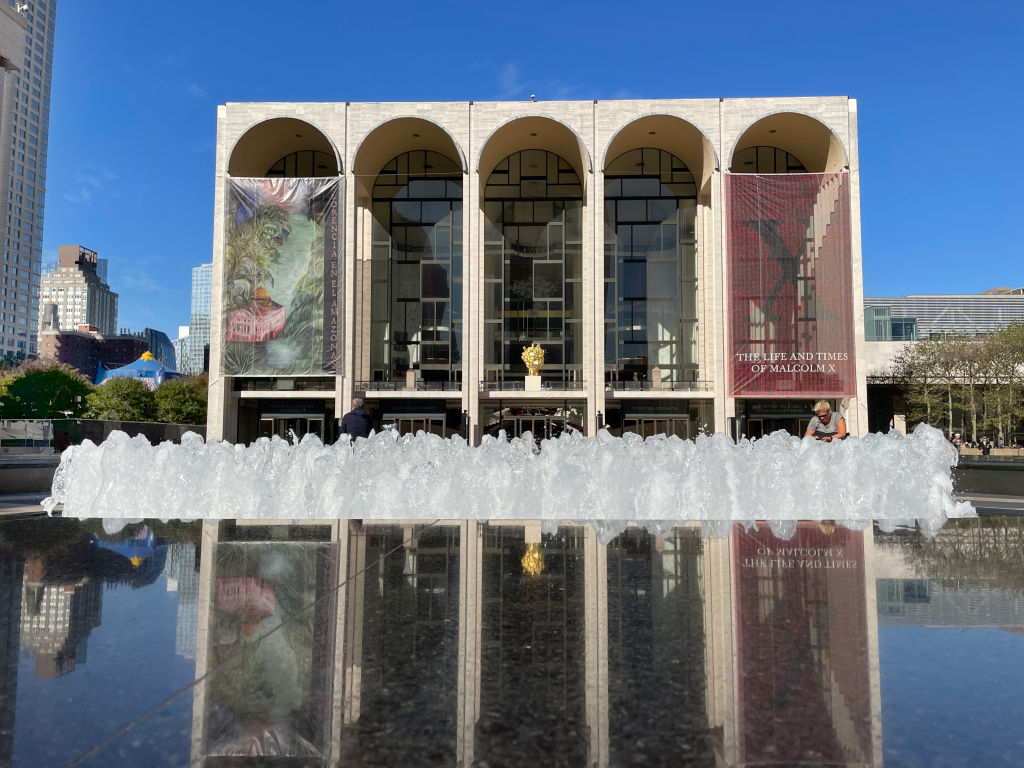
(466,644)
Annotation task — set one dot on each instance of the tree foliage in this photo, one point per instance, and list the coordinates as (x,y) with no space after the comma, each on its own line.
(122,399)
(968,384)
(42,389)
(182,401)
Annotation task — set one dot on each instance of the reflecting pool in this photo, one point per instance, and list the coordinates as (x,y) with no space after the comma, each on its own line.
(461,643)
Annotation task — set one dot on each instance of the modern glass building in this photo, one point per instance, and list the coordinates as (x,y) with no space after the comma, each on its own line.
(684,265)
(909,318)
(30,79)
(199,319)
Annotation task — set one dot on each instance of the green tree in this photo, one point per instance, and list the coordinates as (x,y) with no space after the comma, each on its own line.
(1005,396)
(919,366)
(42,389)
(122,399)
(182,401)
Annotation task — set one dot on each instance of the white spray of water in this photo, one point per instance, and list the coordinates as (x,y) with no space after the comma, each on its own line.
(604,480)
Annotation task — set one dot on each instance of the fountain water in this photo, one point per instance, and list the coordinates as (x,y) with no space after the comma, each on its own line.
(604,480)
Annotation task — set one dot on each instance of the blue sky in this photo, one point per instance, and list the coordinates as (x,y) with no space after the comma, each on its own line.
(136,85)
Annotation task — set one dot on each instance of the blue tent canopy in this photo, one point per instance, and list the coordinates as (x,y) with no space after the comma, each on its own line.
(147,369)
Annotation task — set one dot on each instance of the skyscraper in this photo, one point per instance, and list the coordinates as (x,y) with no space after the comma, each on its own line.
(81,295)
(180,345)
(199,320)
(30,126)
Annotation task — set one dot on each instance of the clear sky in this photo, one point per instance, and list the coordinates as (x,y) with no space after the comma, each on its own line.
(136,86)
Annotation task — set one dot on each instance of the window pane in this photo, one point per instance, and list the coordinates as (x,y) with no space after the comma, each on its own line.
(435,281)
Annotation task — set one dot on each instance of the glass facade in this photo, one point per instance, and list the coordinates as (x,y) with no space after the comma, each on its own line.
(304,164)
(908,318)
(416,269)
(533,267)
(650,275)
(199,319)
(766,160)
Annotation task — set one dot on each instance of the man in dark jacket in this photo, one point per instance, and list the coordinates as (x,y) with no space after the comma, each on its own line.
(356,423)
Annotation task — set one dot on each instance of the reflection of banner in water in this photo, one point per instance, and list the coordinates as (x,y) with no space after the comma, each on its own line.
(281,277)
(803,691)
(790,285)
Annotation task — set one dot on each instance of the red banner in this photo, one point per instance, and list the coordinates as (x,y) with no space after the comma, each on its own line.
(803,691)
(790,285)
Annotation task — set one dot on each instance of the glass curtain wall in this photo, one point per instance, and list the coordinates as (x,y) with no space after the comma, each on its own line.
(416,269)
(650,269)
(766,160)
(533,267)
(304,164)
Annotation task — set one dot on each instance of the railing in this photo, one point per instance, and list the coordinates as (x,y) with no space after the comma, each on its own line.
(402,386)
(701,385)
(283,384)
(513,385)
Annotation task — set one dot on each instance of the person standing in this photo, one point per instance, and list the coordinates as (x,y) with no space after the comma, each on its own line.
(825,425)
(356,423)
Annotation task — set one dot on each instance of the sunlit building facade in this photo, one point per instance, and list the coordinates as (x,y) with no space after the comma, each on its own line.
(446,642)
(28,76)
(685,265)
(198,337)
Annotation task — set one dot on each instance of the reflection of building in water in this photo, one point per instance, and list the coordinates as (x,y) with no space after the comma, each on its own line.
(183,578)
(11,575)
(657,675)
(56,619)
(406,659)
(448,642)
(803,680)
(532,649)
(927,603)
(968,575)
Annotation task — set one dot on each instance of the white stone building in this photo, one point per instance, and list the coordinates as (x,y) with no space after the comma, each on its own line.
(79,291)
(685,264)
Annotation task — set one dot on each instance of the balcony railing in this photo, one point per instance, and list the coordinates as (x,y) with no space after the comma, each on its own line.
(700,385)
(402,386)
(513,385)
(282,384)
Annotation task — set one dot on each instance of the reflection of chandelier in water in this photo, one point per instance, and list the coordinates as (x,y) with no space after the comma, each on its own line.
(533,560)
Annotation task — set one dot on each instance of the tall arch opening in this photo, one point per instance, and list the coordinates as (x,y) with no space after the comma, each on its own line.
(280,273)
(807,141)
(650,274)
(790,270)
(416,269)
(283,147)
(533,267)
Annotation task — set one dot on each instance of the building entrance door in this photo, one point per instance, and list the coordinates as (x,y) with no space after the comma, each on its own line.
(285,427)
(655,426)
(541,426)
(412,425)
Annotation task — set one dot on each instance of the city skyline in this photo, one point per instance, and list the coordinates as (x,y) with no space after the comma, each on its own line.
(153,149)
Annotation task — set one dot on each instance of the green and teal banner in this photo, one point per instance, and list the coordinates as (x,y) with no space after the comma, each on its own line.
(282,282)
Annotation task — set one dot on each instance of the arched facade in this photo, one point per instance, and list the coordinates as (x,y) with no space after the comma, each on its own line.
(541,240)
(814,144)
(267,142)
